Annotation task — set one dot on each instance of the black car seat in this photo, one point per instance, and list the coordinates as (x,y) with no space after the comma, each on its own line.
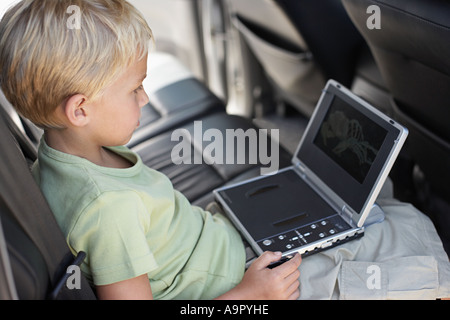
(310,42)
(412,50)
(34,253)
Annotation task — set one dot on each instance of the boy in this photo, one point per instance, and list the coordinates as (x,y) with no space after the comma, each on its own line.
(83,86)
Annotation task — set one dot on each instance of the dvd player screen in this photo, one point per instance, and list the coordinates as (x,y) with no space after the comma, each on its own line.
(350,138)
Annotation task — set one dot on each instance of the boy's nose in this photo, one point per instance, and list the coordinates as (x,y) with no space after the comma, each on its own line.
(143,98)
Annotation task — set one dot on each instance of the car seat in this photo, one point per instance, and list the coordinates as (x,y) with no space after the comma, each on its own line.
(412,51)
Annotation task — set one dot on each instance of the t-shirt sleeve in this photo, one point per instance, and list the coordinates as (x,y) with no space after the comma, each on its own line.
(112,232)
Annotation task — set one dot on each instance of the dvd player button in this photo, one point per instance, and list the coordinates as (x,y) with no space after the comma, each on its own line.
(292,237)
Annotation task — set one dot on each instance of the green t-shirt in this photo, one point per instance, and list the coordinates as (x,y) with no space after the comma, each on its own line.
(131,222)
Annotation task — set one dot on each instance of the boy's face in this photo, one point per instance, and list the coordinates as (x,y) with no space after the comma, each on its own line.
(115,116)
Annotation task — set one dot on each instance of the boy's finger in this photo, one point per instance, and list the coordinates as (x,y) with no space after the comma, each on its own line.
(290,266)
(267,258)
(295,294)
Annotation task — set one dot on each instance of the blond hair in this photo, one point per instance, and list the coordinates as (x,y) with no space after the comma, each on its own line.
(43,60)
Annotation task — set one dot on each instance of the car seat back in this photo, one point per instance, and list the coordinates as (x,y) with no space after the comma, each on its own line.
(31,243)
(412,50)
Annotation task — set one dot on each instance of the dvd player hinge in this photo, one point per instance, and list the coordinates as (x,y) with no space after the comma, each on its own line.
(300,167)
(346,212)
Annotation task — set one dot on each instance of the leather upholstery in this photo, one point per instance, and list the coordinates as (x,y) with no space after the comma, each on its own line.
(412,50)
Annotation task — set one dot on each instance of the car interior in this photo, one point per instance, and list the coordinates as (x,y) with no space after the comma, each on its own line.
(249,64)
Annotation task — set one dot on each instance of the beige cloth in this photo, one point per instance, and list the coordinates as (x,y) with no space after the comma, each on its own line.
(401,257)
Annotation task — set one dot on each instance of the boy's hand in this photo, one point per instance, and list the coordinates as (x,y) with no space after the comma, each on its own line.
(260,282)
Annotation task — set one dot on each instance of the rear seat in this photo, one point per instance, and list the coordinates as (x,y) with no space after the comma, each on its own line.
(33,252)
(177,99)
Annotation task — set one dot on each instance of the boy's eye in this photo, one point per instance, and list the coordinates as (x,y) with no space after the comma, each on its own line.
(138,88)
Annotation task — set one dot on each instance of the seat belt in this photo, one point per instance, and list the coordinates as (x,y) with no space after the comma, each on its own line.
(25,201)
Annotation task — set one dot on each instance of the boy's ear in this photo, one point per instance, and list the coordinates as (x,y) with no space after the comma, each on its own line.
(75,110)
